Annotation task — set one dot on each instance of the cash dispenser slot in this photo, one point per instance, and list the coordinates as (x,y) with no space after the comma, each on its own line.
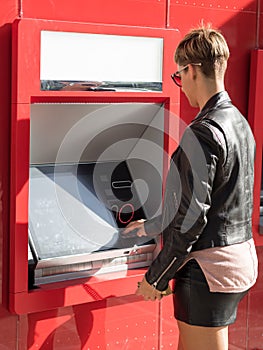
(78,208)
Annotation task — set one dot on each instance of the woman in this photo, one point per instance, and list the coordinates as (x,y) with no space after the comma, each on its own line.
(206,222)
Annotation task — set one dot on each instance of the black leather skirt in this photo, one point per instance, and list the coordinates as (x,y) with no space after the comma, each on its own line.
(196,305)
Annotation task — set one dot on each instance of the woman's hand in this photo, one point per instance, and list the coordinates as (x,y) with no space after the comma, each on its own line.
(134,228)
(148,292)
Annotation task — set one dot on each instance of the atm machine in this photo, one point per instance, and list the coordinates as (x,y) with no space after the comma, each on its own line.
(91,118)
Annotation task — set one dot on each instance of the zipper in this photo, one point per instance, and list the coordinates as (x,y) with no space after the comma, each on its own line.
(164,272)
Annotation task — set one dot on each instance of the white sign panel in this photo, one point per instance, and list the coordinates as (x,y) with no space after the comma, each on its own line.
(101,61)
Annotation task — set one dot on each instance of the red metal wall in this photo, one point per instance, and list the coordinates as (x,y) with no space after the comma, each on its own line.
(125,323)
(8,323)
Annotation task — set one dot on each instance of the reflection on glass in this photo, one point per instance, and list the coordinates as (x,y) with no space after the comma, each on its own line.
(58,85)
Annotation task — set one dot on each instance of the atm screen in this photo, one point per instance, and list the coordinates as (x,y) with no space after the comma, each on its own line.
(80,208)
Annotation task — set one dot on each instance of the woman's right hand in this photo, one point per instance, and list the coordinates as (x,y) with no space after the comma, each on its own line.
(134,228)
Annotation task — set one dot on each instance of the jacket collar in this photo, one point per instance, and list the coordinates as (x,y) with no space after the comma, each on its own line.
(213,103)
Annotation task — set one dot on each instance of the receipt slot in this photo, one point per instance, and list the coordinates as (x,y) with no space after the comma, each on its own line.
(89,154)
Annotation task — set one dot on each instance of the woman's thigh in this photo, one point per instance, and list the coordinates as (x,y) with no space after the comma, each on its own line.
(205,338)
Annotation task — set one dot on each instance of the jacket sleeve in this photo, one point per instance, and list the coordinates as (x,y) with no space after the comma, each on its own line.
(153,227)
(187,201)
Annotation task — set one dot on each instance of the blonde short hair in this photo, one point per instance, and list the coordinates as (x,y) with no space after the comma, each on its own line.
(204,45)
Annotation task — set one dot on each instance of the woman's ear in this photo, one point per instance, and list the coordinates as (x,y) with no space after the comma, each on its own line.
(192,71)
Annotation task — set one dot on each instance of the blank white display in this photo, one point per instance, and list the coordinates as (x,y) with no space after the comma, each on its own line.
(100,57)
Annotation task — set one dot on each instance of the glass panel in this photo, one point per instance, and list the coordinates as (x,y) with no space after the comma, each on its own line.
(99,62)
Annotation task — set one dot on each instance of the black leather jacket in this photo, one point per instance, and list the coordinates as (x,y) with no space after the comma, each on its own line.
(209,189)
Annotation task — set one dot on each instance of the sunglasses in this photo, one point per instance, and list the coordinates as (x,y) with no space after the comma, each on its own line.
(176,77)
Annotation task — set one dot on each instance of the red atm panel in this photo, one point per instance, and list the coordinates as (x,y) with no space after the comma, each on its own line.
(42,112)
